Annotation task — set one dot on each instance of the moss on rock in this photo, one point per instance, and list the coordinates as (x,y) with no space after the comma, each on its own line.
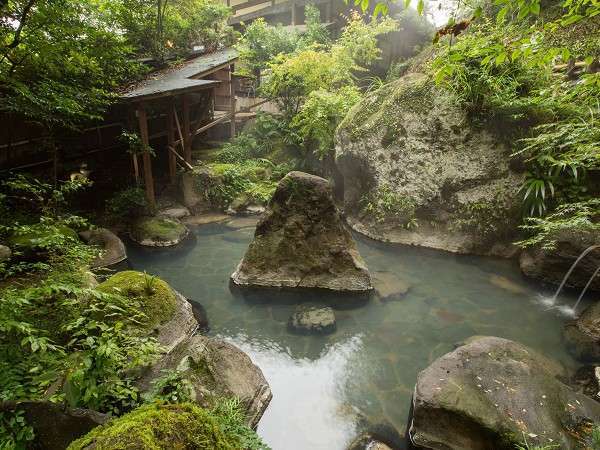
(156,296)
(158,231)
(160,426)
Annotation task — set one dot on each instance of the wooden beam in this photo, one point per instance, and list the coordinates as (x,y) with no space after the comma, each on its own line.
(212,124)
(148,179)
(187,134)
(232,101)
(293,7)
(170,143)
(183,162)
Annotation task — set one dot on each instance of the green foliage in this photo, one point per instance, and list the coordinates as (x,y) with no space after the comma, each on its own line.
(504,70)
(490,219)
(320,115)
(230,415)
(127,204)
(163,28)
(59,66)
(384,205)
(14,430)
(171,387)
(578,218)
(261,43)
(250,180)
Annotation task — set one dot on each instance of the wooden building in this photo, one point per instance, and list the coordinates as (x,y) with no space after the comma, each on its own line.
(285,12)
(167,110)
(189,99)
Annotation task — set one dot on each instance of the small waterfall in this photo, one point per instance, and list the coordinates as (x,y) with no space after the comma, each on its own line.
(585,289)
(566,277)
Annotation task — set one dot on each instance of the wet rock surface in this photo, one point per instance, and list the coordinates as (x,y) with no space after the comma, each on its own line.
(312,320)
(583,334)
(301,242)
(550,266)
(216,369)
(587,381)
(491,392)
(113,249)
(416,172)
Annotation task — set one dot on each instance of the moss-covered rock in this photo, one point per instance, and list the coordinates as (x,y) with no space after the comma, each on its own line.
(159,427)
(215,369)
(490,393)
(158,232)
(157,299)
(415,170)
(301,242)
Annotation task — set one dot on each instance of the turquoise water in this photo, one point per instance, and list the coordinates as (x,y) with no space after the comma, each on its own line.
(326,389)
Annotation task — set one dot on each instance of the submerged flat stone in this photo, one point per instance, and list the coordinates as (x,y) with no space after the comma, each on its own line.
(301,242)
(312,320)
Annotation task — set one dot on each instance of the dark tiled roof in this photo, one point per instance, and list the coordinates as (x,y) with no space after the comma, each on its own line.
(182,78)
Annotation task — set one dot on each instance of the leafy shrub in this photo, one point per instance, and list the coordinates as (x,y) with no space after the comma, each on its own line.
(489,219)
(580,217)
(320,115)
(127,204)
(171,387)
(383,205)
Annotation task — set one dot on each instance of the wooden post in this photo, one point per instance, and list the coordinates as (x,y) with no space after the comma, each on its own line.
(148,180)
(134,159)
(232,100)
(170,140)
(328,12)
(293,5)
(187,135)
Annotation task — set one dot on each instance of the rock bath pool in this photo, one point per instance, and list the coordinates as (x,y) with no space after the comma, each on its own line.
(327,389)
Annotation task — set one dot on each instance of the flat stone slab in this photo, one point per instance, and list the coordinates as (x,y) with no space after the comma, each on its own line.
(312,320)
(175,212)
(389,286)
(203,219)
(113,248)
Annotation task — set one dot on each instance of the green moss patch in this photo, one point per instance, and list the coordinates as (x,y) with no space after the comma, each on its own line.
(156,296)
(159,229)
(157,427)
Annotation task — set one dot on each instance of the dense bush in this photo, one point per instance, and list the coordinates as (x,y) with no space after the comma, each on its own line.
(127,204)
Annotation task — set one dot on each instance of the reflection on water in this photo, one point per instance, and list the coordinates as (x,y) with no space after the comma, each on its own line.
(327,388)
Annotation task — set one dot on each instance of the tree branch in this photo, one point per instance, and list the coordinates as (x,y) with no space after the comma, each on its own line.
(17,38)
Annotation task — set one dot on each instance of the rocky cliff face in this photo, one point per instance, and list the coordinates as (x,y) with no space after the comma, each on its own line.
(416,170)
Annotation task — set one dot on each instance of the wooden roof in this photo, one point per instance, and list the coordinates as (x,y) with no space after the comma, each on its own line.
(184,78)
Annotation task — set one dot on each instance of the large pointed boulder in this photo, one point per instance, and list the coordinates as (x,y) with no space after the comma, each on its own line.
(301,242)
